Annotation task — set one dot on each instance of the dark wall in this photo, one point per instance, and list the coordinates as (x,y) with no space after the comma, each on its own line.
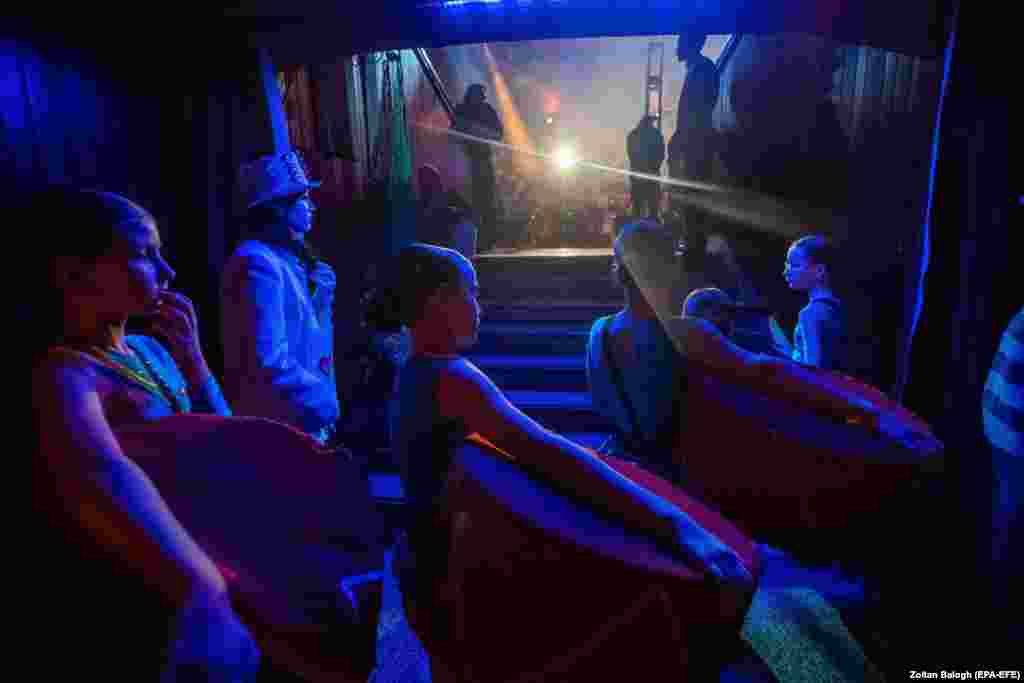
(972,289)
(225,122)
(68,116)
(163,125)
(71,115)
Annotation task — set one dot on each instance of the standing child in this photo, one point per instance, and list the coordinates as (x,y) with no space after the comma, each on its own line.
(820,335)
(276,305)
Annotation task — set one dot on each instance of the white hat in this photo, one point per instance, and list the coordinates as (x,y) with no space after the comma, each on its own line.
(272,177)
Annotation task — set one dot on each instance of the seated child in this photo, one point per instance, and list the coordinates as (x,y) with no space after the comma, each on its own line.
(713,305)
(90,379)
(819,338)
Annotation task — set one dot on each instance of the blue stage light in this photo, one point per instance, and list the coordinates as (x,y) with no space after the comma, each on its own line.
(460,3)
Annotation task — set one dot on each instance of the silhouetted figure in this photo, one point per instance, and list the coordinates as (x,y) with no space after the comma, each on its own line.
(829,152)
(443,217)
(478,118)
(690,151)
(691,148)
(646,147)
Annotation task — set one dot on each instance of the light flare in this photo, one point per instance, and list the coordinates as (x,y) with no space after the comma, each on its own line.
(515,127)
(566,158)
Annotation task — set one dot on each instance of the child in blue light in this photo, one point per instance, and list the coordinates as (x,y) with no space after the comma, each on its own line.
(443,397)
(819,338)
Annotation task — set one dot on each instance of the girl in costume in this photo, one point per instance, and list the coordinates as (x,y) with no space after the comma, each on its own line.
(93,378)
(819,338)
(277,305)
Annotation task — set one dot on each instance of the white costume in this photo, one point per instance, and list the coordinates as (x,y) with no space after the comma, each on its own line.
(276,317)
(278,339)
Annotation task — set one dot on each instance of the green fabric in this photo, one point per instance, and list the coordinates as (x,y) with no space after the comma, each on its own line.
(802,639)
(401,199)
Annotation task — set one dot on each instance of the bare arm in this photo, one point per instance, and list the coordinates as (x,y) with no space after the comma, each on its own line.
(111,496)
(705,344)
(467,394)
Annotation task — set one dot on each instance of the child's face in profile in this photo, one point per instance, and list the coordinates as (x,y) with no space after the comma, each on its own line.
(801,273)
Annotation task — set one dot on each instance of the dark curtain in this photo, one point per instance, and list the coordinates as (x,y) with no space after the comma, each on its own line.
(970,294)
(69,116)
(72,116)
(228,124)
(170,135)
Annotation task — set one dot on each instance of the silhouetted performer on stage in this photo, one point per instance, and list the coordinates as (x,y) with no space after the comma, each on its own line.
(443,217)
(646,147)
(691,148)
(478,118)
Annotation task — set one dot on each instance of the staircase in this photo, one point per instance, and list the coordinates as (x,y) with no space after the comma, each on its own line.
(538,307)
(535,354)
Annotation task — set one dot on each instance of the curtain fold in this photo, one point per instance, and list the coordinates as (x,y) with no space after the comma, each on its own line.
(392,160)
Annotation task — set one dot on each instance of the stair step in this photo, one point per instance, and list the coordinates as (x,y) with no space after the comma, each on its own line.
(538,291)
(533,339)
(572,329)
(513,282)
(561,411)
(518,362)
(552,373)
(547,310)
(565,400)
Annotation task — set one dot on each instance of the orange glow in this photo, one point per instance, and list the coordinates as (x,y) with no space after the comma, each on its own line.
(515,128)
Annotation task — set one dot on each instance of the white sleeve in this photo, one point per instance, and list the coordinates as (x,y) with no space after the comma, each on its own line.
(254,332)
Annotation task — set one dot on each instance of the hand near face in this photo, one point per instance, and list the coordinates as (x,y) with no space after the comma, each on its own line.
(176,322)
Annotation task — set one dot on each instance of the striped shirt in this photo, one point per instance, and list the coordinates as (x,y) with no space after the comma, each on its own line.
(1002,406)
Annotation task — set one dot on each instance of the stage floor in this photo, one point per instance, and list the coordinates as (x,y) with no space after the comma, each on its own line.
(567,252)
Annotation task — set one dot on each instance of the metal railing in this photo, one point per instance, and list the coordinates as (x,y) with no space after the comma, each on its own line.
(435,82)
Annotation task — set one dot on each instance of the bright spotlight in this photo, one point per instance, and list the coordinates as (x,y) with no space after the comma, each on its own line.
(566,158)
